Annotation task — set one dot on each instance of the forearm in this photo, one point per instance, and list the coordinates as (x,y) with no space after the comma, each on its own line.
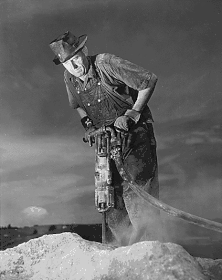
(142,100)
(85,120)
(145,95)
(81,112)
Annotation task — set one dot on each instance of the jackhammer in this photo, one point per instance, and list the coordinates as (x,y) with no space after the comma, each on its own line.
(108,146)
(104,192)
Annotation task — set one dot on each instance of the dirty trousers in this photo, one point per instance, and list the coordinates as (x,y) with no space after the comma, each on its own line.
(133,220)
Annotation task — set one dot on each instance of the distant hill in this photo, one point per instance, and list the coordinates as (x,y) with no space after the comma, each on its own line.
(198,245)
(11,237)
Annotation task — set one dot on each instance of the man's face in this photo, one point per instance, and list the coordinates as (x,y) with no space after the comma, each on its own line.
(77,65)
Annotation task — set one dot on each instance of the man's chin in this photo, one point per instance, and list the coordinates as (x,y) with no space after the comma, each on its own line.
(77,74)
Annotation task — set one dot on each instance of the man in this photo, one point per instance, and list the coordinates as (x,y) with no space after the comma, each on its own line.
(108,90)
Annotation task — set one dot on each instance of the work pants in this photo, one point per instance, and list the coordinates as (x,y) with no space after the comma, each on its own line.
(133,220)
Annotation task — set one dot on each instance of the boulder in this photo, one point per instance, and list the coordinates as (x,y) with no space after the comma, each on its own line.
(67,256)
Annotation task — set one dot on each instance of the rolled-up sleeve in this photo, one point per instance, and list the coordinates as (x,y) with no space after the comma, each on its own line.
(71,95)
(127,72)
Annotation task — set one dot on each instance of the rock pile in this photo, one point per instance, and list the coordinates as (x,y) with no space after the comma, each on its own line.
(67,256)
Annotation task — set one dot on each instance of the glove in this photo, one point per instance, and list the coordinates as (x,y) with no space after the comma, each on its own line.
(88,125)
(123,123)
(88,137)
(86,122)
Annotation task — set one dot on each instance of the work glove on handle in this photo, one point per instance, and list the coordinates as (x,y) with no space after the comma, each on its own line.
(125,122)
(88,125)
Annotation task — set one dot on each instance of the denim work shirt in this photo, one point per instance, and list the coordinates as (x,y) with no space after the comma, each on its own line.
(111,87)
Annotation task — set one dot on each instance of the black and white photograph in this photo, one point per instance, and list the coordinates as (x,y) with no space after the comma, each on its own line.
(111,139)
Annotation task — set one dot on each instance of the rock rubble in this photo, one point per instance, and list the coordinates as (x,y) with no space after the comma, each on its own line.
(67,256)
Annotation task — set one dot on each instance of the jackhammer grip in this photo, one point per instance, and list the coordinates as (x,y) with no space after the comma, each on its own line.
(104,129)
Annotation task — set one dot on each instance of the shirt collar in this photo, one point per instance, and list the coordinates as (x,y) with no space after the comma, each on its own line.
(91,72)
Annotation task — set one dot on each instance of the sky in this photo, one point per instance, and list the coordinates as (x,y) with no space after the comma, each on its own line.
(47,172)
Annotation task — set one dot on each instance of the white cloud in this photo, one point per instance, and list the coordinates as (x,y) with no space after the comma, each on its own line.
(200,133)
(215,140)
(211,136)
(194,140)
(168,159)
(41,172)
(34,212)
(53,193)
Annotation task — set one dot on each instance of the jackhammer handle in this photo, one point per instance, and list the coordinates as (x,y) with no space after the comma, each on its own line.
(101,130)
(94,133)
(98,131)
(105,129)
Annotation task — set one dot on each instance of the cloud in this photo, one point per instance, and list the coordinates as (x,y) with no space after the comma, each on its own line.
(46,172)
(194,140)
(210,135)
(215,140)
(57,194)
(34,212)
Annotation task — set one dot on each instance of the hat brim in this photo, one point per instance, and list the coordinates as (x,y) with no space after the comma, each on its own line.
(82,41)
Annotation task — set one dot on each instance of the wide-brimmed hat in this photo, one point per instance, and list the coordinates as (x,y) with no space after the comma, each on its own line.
(66,46)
